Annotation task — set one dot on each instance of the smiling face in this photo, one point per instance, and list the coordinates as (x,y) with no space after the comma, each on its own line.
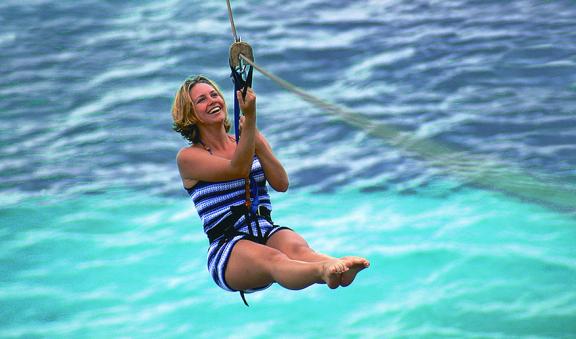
(196,104)
(208,104)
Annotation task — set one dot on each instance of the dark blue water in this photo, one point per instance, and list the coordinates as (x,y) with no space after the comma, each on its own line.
(468,217)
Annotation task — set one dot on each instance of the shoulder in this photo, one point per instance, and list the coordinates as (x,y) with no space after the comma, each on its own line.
(187,154)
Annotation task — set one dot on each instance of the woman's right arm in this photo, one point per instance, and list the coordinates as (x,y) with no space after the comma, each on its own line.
(197,164)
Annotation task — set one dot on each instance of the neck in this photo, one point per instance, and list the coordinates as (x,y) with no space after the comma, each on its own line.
(214,138)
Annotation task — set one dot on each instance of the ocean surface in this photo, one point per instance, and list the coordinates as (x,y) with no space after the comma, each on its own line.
(459,186)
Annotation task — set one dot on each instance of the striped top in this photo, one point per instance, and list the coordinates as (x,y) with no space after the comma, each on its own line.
(213,199)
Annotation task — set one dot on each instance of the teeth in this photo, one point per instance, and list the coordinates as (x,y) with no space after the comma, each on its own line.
(215,110)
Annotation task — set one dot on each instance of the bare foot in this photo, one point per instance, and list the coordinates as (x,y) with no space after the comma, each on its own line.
(355,265)
(332,271)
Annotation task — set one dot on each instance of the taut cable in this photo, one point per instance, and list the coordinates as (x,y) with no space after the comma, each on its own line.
(231,17)
(483,171)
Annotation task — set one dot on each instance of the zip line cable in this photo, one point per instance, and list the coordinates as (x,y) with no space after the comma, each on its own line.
(486,172)
(231,17)
(481,171)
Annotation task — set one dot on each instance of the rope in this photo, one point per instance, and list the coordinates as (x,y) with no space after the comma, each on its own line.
(349,116)
(482,171)
(231,17)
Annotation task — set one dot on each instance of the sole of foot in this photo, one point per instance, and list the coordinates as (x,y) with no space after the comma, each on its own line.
(355,265)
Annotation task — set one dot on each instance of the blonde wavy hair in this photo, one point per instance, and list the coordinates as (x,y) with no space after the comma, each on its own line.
(183,113)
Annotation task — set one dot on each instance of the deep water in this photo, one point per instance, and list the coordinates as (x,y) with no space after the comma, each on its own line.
(468,219)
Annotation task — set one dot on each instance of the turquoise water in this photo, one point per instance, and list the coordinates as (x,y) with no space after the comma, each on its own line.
(98,239)
(123,264)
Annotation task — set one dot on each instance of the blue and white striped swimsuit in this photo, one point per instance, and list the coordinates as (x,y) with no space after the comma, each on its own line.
(213,201)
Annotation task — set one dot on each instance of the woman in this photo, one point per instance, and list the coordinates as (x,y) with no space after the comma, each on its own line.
(247,251)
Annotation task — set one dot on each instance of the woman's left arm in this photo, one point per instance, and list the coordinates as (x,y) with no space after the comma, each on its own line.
(273,169)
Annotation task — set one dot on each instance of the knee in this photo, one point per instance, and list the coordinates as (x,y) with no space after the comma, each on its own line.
(274,257)
(274,260)
(298,250)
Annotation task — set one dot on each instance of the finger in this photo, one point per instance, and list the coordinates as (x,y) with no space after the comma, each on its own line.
(240,98)
(247,91)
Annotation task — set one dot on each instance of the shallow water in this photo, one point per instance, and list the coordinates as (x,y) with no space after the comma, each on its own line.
(469,222)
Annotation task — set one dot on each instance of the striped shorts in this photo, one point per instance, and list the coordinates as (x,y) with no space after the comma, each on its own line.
(220,250)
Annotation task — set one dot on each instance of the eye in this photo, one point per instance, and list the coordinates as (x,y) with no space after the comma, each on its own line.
(200,100)
(214,95)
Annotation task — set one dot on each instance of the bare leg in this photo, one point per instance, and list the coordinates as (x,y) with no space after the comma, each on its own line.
(252,265)
(296,247)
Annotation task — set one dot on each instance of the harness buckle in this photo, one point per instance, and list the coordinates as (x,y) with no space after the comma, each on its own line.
(261,211)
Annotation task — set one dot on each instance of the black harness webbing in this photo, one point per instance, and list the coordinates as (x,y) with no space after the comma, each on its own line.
(251,209)
(226,226)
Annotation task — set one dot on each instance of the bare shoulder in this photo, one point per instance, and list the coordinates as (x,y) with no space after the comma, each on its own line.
(187,160)
(188,155)
(195,163)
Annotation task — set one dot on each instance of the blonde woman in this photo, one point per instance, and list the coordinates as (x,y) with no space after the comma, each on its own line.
(247,252)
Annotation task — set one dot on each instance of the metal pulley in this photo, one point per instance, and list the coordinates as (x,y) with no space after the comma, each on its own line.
(240,48)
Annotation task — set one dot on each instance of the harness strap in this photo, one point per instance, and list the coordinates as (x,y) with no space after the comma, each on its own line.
(237,73)
(244,298)
(226,226)
(251,207)
(239,84)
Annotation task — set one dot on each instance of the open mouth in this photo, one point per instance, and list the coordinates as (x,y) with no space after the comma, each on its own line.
(215,110)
